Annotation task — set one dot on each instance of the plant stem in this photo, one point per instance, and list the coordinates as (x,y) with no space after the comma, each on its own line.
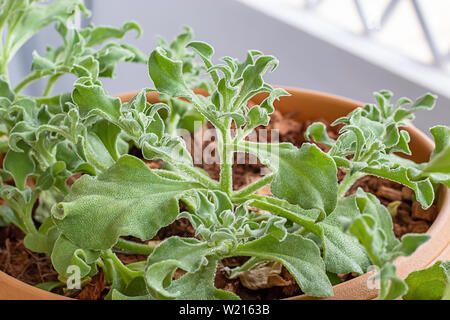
(4,144)
(202,178)
(347,182)
(47,100)
(27,80)
(249,264)
(126,273)
(4,68)
(308,224)
(134,247)
(255,186)
(172,123)
(226,159)
(50,84)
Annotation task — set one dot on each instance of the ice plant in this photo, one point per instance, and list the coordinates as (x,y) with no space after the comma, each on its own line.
(32,127)
(310,225)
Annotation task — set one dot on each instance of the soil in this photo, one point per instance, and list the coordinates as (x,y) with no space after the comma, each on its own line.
(275,282)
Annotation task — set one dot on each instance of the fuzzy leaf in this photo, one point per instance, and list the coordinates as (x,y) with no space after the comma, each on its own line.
(127,199)
(200,285)
(7,216)
(91,97)
(318,132)
(307,177)
(189,252)
(101,33)
(66,254)
(20,165)
(422,188)
(299,255)
(167,74)
(39,15)
(428,284)
(342,252)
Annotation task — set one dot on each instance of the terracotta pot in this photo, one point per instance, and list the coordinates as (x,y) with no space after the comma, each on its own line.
(310,105)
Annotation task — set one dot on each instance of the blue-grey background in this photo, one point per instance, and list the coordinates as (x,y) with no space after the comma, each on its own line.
(232,28)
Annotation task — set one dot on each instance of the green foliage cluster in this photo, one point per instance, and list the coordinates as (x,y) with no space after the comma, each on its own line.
(309,225)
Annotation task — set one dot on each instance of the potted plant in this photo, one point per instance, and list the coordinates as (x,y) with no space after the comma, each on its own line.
(90,178)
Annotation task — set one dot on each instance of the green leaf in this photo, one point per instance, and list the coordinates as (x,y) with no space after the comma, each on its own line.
(185,253)
(167,74)
(440,159)
(307,177)
(189,252)
(299,255)
(66,254)
(197,285)
(95,152)
(113,53)
(205,52)
(369,205)
(20,165)
(409,244)
(44,240)
(342,252)
(438,168)
(66,153)
(101,33)
(7,96)
(91,98)
(7,216)
(135,290)
(37,16)
(127,199)
(423,188)
(393,287)
(108,133)
(50,285)
(430,283)
(318,132)
(252,76)
(441,135)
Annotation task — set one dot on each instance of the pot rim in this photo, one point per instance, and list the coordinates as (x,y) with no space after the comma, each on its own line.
(438,247)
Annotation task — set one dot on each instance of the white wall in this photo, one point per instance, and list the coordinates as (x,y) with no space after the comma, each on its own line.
(232,28)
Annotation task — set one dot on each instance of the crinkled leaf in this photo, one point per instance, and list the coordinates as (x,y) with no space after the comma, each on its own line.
(189,252)
(91,97)
(369,205)
(307,177)
(39,15)
(430,283)
(167,74)
(423,188)
(342,252)
(395,287)
(127,199)
(196,286)
(299,255)
(66,254)
(20,165)
(98,35)
(409,244)
(7,216)
(318,131)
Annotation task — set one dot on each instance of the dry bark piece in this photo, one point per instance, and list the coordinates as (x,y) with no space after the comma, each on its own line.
(419,226)
(419,213)
(93,290)
(389,193)
(265,275)
(407,193)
